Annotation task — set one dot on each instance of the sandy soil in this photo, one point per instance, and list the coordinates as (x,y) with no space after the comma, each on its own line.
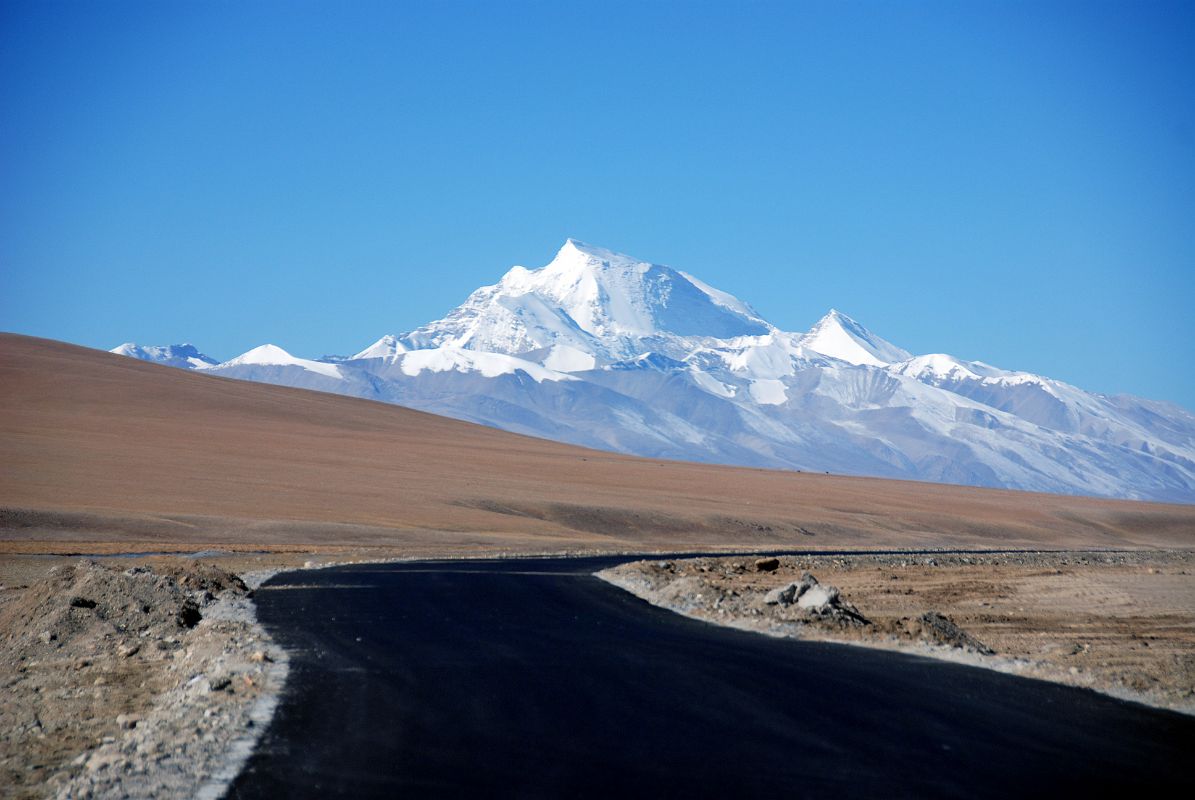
(131,682)
(1121,623)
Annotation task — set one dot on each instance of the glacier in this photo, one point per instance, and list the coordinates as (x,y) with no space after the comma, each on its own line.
(604,350)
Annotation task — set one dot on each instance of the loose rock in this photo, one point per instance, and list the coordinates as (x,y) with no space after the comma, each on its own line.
(941,629)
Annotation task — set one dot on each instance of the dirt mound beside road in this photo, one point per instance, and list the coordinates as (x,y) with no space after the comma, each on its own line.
(111,674)
(88,607)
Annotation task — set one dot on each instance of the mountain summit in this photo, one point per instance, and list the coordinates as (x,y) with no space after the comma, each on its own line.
(606,304)
(605,350)
(838,336)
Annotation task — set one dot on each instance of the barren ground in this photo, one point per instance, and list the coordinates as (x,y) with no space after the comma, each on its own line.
(1122,623)
(121,680)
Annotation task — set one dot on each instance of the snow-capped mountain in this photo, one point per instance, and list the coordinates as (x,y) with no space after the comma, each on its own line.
(593,301)
(604,350)
(173,355)
(838,336)
(272,356)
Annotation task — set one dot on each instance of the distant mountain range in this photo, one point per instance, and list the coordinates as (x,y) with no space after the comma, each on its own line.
(603,350)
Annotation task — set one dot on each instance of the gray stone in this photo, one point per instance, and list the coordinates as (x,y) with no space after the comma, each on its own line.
(782,596)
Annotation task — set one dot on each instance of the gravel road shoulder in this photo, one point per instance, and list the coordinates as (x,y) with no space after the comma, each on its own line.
(1121,623)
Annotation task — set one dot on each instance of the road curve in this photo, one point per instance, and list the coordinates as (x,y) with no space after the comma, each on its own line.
(531,678)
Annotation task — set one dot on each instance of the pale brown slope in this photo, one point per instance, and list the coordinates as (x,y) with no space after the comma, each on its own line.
(98,447)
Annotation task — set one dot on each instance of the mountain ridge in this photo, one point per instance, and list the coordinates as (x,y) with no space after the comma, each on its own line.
(605,350)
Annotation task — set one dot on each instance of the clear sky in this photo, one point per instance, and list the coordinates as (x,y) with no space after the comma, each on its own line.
(1012,182)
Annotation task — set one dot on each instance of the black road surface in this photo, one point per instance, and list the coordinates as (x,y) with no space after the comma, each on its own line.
(531,678)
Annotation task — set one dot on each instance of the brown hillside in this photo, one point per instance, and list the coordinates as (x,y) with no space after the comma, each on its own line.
(98,448)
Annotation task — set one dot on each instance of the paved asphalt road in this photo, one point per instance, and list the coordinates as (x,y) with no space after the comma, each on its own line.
(531,678)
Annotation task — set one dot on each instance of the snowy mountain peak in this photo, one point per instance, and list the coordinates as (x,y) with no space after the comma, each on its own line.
(574,253)
(838,336)
(935,366)
(271,355)
(264,354)
(607,304)
(389,346)
(940,369)
(186,356)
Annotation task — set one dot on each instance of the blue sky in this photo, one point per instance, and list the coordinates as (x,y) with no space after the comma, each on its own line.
(1012,182)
